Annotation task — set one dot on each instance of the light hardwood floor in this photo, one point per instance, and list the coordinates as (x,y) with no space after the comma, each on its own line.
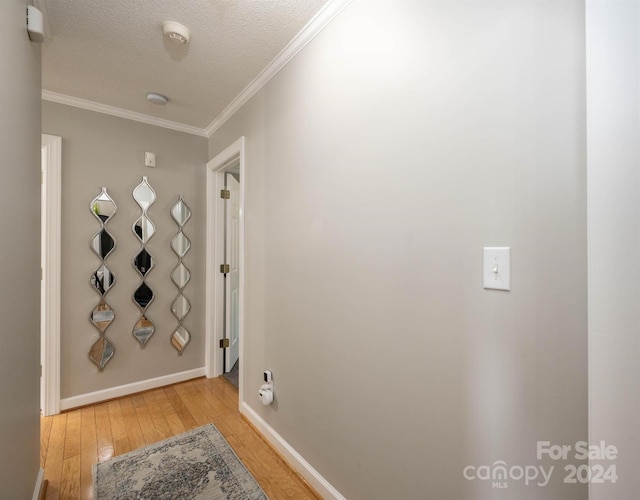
(73,441)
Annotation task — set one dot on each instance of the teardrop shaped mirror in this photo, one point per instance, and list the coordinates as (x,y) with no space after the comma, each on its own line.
(180,244)
(103,279)
(144,194)
(101,352)
(180,276)
(180,212)
(103,244)
(144,229)
(143,330)
(143,262)
(103,207)
(143,296)
(180,307)
(180,338)
(102,316)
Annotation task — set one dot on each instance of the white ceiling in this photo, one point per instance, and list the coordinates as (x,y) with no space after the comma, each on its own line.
(112,52)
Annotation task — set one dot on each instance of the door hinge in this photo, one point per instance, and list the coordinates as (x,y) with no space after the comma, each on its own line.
(225,194)
(224,268)
(41,274)
(224,343)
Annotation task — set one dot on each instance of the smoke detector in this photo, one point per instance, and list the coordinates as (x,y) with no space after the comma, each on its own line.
(156,98)
(176,32)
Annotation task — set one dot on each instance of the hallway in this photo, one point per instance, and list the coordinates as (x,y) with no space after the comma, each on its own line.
(73,441)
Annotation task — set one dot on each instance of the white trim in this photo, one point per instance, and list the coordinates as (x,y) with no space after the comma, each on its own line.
(313,477)
(210,351)
(39,485)
(50,335)
(214,255)
(125,390)
(121,113)
(330,10)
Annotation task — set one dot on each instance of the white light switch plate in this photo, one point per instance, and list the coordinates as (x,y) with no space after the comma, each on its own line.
(149,159)
(497,268)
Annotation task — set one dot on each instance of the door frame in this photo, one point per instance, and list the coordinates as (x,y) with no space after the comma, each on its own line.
(214,310)
(50,317)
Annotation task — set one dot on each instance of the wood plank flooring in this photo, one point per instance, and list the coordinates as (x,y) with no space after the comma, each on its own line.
(70,443)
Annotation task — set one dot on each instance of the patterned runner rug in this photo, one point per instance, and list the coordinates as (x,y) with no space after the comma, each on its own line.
(198,464)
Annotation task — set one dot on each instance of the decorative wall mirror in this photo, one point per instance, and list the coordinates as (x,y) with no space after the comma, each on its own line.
(180,275)
(143,262)
(102,279)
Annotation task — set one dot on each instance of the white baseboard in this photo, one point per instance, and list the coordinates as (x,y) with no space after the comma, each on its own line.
(313,477)
(125,390)
(39,484)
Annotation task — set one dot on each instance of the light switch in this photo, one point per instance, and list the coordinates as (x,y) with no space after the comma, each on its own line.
(497,268)
(149,159)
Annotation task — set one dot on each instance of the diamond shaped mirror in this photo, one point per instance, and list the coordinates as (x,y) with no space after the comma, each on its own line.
(143,330)
(180,213)
(101,352)
(102,244)
(180,244)
(180,307)
(181,275)
(144,229)
(103,279)
(102,316)
(143,296)
(143,262)
(180,338)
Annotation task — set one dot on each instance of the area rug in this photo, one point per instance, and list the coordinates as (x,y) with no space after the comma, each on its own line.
(198,464)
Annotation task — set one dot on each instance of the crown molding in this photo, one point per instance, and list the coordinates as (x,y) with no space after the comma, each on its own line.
(121,113)
(308,33)
(324,16)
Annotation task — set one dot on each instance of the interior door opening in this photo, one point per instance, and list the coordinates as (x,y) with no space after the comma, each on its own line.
(224,313)
(231,277)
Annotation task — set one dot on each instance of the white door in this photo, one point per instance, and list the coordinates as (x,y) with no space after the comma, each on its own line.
(43,259)
(232,281)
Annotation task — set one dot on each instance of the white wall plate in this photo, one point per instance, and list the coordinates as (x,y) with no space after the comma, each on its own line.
(497,268)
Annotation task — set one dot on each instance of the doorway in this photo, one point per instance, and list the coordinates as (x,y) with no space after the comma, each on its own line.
(232,273)
(226,178)
(50,222)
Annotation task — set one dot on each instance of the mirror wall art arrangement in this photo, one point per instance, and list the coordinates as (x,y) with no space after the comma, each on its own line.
(143,262)
(180,275)
(103,278)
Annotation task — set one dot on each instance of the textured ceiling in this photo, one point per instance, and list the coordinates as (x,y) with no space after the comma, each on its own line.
(112,51)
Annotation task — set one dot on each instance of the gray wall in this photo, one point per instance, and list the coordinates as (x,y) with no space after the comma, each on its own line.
(101,150)
(613,104)
(19,254)
(398,143)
